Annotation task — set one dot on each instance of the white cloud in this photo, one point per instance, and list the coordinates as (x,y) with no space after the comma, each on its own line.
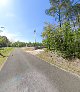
(10,15)
(11,36)
(4,2)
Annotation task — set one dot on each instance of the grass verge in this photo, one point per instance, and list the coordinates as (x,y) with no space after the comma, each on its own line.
(5,52)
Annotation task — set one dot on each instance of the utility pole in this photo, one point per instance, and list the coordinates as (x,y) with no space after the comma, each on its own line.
(35,39)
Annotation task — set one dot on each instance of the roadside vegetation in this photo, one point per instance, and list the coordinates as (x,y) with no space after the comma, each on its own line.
(62,39)
(4,42)
(4,53)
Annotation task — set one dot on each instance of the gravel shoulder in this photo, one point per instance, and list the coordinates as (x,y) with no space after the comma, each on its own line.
(52,58)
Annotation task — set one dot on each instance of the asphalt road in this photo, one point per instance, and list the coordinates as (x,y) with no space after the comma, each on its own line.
(25,73)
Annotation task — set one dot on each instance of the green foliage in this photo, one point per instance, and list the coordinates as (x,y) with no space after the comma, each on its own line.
(58,9)
(18,44)
(65,10)
(23,44)
(48,35)
(64,40)
(4,42)
(5,51)
(37,44)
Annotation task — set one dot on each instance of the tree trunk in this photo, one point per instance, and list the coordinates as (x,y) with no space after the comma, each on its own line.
(60,18)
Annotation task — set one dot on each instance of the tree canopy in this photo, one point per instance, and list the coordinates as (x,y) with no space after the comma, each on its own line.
(4,42)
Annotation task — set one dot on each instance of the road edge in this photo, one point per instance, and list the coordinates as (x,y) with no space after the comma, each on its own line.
(3,64)
(72,73)
(6,60)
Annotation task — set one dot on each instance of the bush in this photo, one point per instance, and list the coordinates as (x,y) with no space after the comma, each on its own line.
(64,40)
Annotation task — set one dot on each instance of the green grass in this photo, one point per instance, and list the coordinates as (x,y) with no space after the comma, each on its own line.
(5,52)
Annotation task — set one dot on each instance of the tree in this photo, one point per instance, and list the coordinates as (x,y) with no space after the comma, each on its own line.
(18,44)
(63,38)
(4,42)
(76,11)
(57,9)
(65,11)
(72,13)
(48,35)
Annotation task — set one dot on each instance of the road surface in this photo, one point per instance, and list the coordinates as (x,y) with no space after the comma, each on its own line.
(26,73)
